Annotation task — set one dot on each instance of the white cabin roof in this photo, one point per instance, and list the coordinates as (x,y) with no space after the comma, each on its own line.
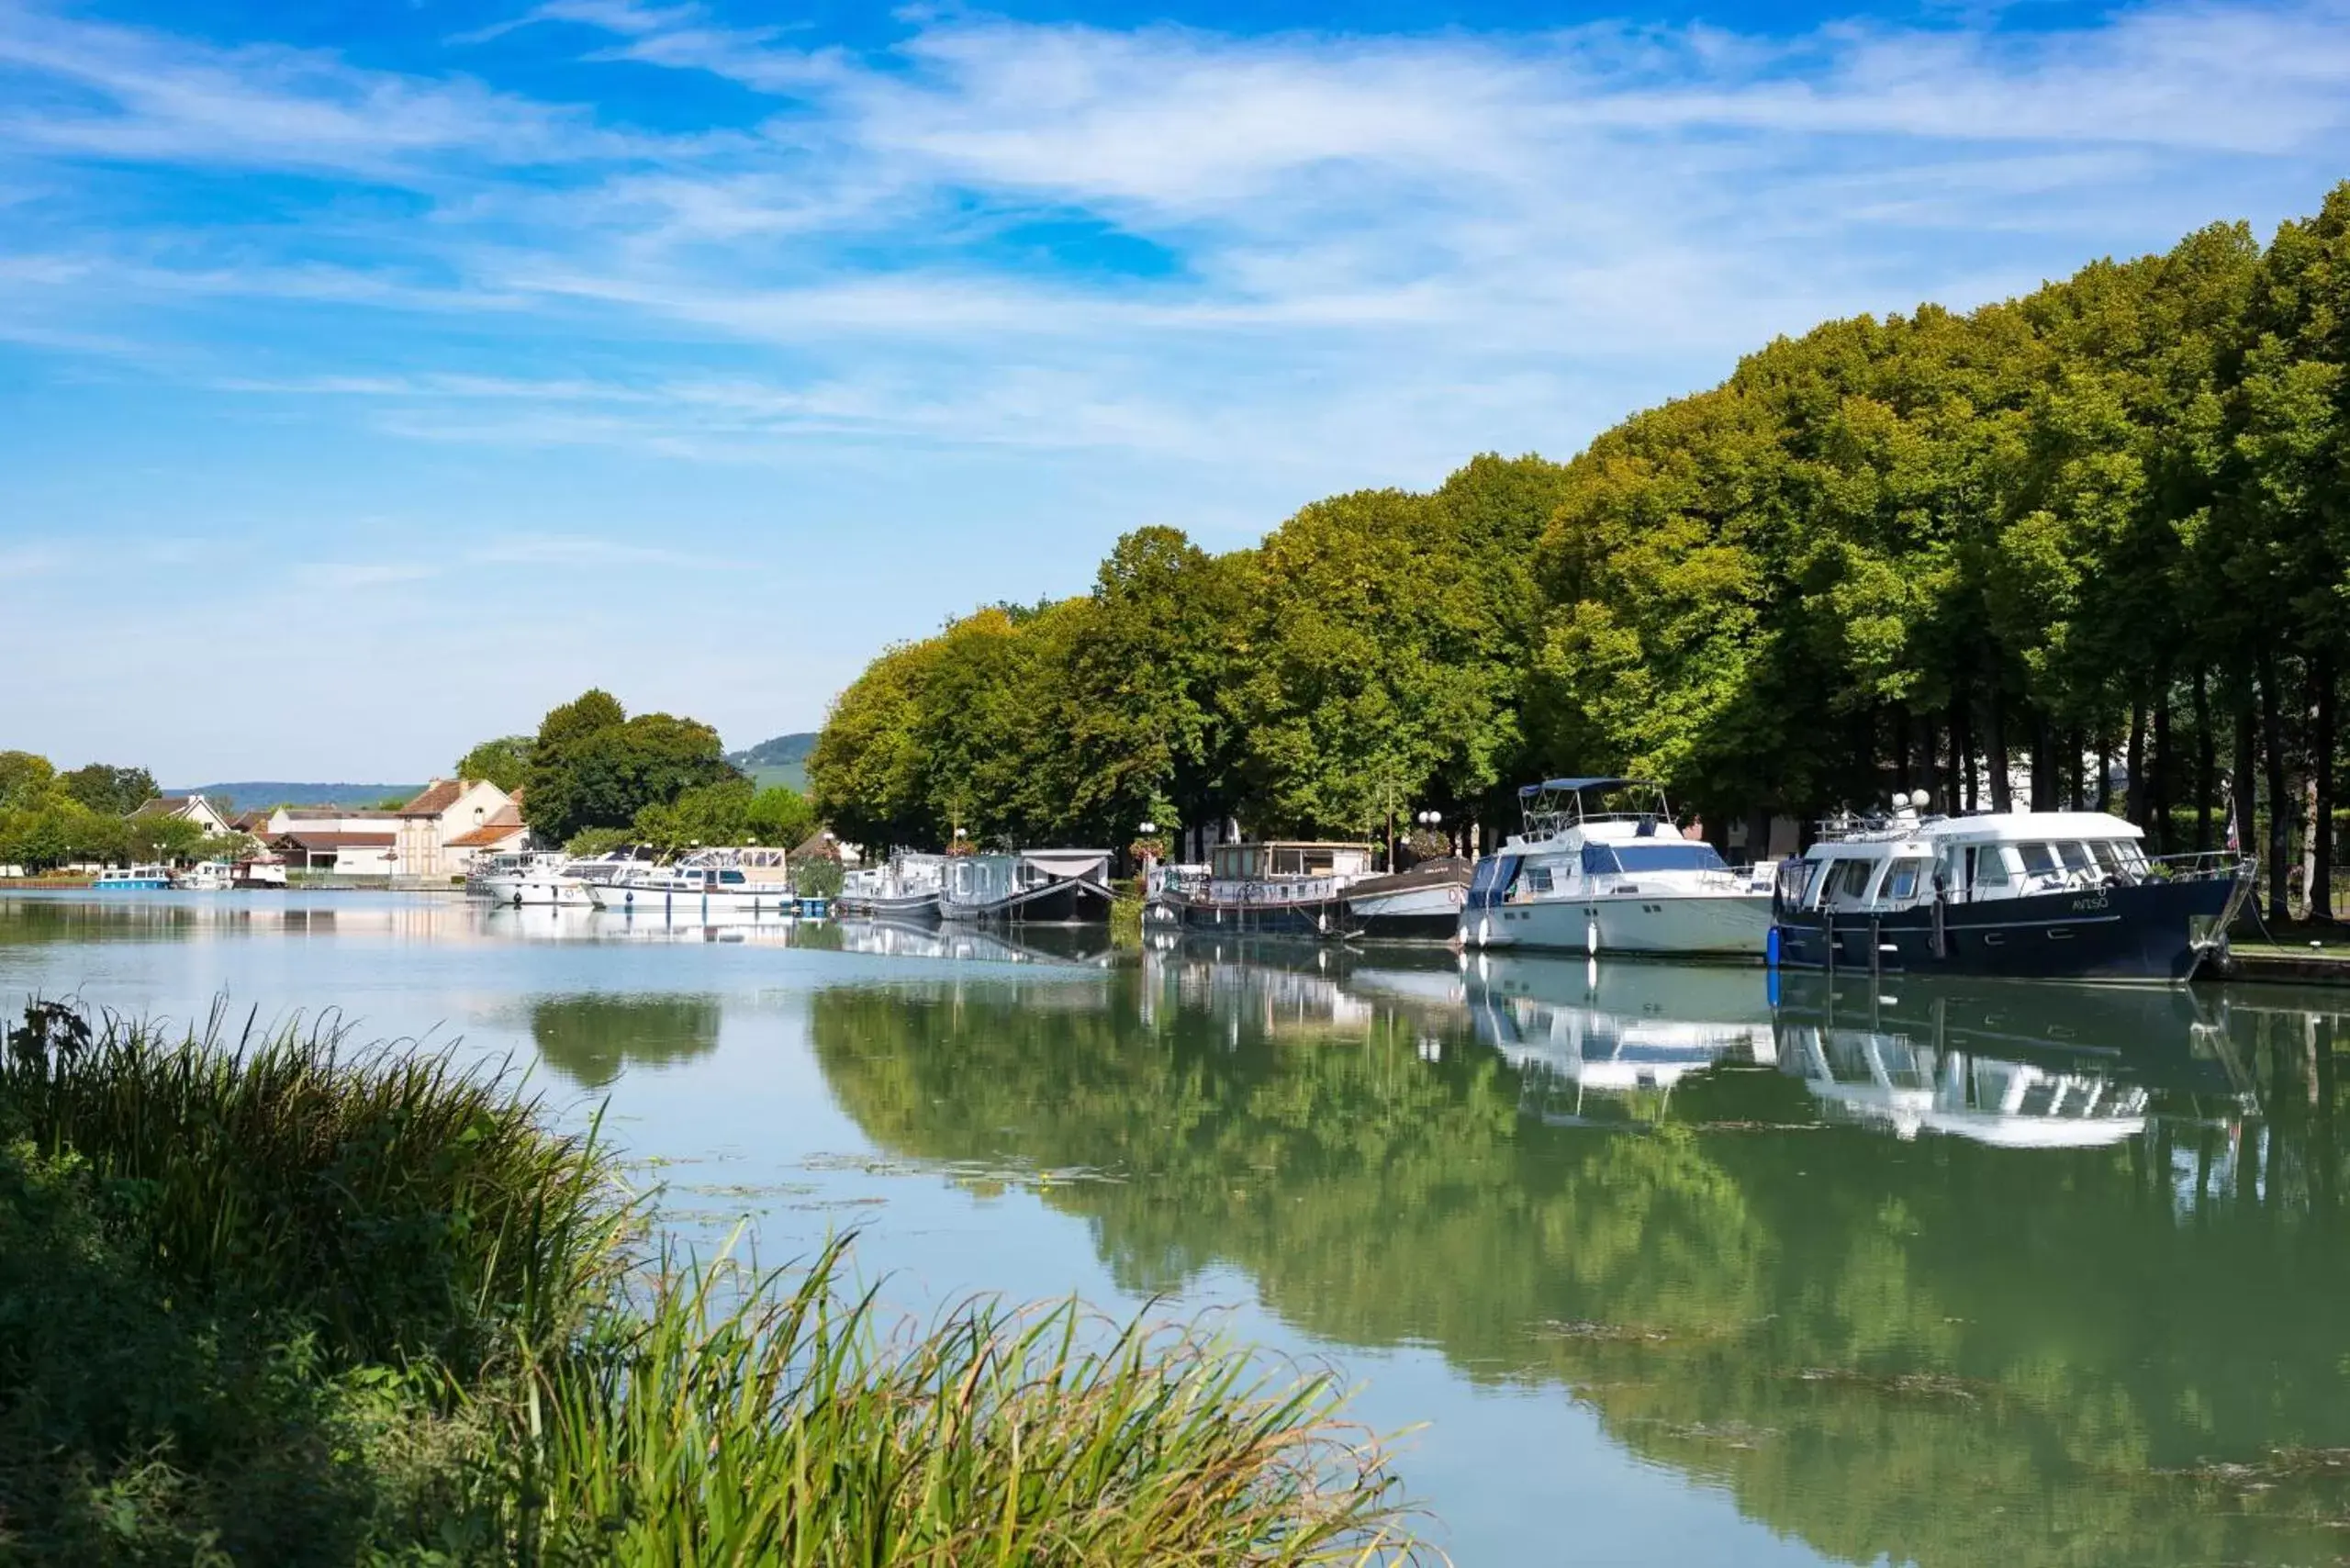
(1924,835)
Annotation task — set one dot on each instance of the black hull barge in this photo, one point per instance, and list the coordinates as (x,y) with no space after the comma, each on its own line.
(2025,895)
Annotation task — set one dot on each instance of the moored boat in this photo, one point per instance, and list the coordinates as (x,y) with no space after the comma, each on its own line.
(691,889)
(1281,889)
(905,889)
(132,879)
(1029,886)
(2048,895)
(1598,867)
(205,877)
(1421,903)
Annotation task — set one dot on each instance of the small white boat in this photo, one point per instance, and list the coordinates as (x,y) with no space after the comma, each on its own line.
(1599,867)
(206,876)
(560,882)
(132,879)
(691,889)
(260,874)
(501,877)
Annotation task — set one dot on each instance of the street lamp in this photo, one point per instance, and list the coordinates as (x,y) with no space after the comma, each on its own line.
(1149,828)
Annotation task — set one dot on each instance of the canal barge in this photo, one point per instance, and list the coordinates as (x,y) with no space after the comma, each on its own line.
(1031,886)
(905,889)
(1598,867)
(1272,889)
(2047,895)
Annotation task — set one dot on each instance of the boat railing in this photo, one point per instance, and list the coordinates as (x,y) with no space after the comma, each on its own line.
(2199,866)
(1278,891)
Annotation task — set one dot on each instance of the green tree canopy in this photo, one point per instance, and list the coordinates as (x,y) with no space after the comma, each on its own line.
(505,762)
(117,791)
(24,778)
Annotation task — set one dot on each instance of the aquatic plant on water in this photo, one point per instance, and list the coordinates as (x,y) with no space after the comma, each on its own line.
(268,1297)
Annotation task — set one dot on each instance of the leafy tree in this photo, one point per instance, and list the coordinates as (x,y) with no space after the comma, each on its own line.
(24,778)
(505,762)
(593,766)
(117,791)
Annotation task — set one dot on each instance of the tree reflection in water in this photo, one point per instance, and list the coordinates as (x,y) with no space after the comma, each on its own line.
(590,1037)
(1912,1336)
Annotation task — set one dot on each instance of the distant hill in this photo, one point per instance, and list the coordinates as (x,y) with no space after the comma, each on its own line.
(251,793)
(783,760)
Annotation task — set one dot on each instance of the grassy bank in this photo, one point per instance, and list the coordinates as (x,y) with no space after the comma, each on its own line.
(274,1300)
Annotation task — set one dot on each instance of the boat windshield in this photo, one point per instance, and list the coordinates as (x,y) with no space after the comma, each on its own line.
(1652,856)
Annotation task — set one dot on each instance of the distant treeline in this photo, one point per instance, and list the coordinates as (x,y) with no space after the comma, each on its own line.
(2110,518)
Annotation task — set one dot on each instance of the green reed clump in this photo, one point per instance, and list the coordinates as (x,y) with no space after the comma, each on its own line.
(271,1299)
(413,1208)
(776,1418)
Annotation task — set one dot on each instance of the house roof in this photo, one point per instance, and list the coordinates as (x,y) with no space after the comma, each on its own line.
(318,841)
(166,806)
(438,797)
(489,835)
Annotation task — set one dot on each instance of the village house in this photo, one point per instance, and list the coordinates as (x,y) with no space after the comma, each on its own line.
(452,821)
(187,808)
(332,839)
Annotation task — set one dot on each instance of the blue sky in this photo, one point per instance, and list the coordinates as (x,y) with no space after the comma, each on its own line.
(373,375)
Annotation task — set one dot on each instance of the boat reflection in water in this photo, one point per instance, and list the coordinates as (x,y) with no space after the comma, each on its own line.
(2021,1065)
(969,944)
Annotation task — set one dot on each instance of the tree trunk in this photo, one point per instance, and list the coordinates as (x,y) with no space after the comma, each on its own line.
(2047,786)
(2321,883)
(2136,803)
(2165,776)
(2076,748)
(2206,760)
(2104,770)
(2280,815)
(2244,805)
(1997,738)
(1962,753)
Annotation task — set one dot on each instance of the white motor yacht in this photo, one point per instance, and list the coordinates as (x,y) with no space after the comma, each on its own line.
(1598,867)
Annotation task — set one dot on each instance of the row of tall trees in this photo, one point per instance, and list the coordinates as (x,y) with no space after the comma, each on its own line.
(1984,555)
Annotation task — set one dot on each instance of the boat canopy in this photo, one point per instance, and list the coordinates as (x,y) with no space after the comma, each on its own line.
(1573,786)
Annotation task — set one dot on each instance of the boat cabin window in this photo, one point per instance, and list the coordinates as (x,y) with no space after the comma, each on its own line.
(730,876)
(2117,858)
(1844,884)
(1905,877)
(2075,857)
(1987,867)
(2039,859)
(1538,878)
(1685,856)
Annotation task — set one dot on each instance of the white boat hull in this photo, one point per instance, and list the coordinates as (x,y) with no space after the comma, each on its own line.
(754,899)
(1727,926)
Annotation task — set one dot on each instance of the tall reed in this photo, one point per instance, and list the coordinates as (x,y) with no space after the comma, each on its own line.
(413,1208)
(776,1418)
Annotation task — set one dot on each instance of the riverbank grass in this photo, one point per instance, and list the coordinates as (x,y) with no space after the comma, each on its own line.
(268,1298)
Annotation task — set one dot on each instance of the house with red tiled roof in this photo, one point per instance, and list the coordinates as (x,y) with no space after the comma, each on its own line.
(450,821)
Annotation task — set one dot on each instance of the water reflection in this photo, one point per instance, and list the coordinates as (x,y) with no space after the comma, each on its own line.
(1927,1278)
(589,1038)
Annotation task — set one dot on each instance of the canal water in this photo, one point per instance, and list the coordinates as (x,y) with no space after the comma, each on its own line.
(1657,1265)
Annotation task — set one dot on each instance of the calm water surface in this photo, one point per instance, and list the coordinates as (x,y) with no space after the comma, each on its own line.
(1666,1270)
